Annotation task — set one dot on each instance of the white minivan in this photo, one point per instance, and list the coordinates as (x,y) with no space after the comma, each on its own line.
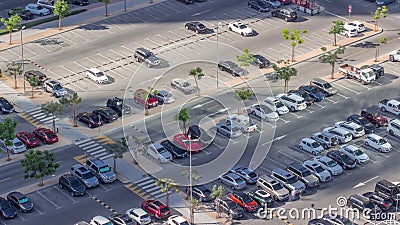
(394,127)
(292,101)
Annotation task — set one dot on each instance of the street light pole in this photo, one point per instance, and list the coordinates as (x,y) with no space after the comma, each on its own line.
(190,178)
(218,25)
(23,61)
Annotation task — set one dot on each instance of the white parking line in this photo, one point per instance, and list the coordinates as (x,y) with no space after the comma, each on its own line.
(289,156)
(284,166)
(348,89)
(99,54)
(130,14)
(166,14)
(359,84)
(159,45)
(286,121)
(341,17)
(177,11)
(66,195)
(40,212)
(75,33)
(310,111)
(220,147)
(63,37)
(182,46)
(380,84)
(311,40)
(261,167)
(280,53)
(57,207)
(297,116)
(330,100)
(114,23)
(155,18)
(296,49)
(26,48)
(319,105)
(328,39)
(345,97)
(21,216)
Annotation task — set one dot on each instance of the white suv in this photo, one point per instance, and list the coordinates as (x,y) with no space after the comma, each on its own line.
(100,220)
(341,134)
(311,146)
(359,26)
(292,101)
(276,105)
(355,129)
(394,127)
(96,75)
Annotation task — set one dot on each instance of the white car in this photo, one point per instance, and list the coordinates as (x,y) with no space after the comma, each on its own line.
(240,28)
(341,134)
(177,220)
(311,146)
(241,122)
(355,129)
(158,152)
(394,127)
(329,164)
(46,4)
(349,32)
(100,220)
(37,9)
(292,101)
(16,147)
(276,105)
(322,174)
(354,153)
(264,112)
(97,75)
(358,25)
(378,142)
(139,215)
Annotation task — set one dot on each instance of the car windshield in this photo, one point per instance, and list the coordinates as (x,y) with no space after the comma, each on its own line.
(39,7)
(279,104)
(331,163)
(358,152)
(144,216)
(201,26)
(104,169)
(315,144)
(58,87)
(292,180)
(347,135)
(363,121)
(164,210)
(4,206)
(50,135)
(359,129)
(242,26)
(75,183)
(23,200)
(87,175)
(99,74)
(252,175)
(381,141)
(32,138)
(306,173)
(247,199)
(108,223)
(318,169)
(161,150)
(185,84)
(265,108)
(314,91)
(18,144)
(327,85)
(277,187)
(238,180)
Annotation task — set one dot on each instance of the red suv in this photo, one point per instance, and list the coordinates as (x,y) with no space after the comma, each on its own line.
(140,97)
(46,135)
(373,116)
(244,201)
(156,208)
(28,139)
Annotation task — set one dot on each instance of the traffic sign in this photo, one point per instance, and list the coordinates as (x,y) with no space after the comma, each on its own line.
(350,8)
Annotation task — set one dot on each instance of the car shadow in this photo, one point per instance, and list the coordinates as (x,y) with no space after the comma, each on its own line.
(365,44)
(163,64)
(93,26)
(48,41)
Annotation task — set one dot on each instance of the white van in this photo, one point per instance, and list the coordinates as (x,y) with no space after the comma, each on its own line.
(341,134)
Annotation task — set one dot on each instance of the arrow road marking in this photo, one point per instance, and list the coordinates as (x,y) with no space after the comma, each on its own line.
(363,183)
(275,139)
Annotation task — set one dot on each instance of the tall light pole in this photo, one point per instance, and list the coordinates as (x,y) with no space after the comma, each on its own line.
(190,177)
(218,25)
(22,56)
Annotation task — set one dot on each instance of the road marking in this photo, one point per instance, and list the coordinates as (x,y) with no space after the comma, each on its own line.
(320,104)
(348,89)
(359,84)
(5,179)
(66,195)
(57,207)
(111,70)
(286,121)
(329,100)
(199,13)
(295,115)
(289,156)
(280,53)
(40,213)
(275,139)
(284,166)
(336,15)
(328,39)
(220,147)
(345,97)
(310,111)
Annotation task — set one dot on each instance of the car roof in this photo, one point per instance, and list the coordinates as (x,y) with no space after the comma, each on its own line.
(101,219)
(178,219)
(179,80)
(319,80)
(143,50)
(94,70)
(17,194)
(308,140)
(232,175)
(139,211)
(375,136)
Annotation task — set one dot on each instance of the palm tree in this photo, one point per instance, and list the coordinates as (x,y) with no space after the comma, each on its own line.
(218,193)
(183,116)
(15,69)
(242,95)
(332,57)
(285,72)
(117,150)
(197,73)
(337,28)
(51,108)
(167,185)
(294,38)
(72,100)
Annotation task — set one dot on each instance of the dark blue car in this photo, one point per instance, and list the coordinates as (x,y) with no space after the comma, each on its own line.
(314,92)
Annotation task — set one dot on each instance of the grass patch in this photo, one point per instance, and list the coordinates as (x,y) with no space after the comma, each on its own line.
(41,21)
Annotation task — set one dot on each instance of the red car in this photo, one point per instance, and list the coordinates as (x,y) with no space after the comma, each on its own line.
(46,135)
(244,201)
(183,141)
(28,139)
(156,208)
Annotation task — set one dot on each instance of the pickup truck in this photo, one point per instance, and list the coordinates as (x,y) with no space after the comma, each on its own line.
(394,56)
(392,106)
(378,70)
(365,76)
(242,122)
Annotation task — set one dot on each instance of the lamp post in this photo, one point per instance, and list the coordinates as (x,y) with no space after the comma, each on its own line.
(190,177)
(218,25)
(22,57)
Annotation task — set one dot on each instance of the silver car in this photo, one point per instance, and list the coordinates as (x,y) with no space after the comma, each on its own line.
(322,174)
(329,164)
(228,131)
(247,174)
(232,180)
(16,147)
(85,175)
(273,3)
(183,86)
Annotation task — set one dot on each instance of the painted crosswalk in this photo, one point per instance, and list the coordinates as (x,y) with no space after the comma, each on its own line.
(146,188)
(96,147)
(37,116)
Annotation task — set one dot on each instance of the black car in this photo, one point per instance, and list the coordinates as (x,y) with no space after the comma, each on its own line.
(6,210)
(342,159)
(80,2)
(232,68)
(122,219)
(24,14)
(258,5)
(20,201)
(200,192)
(91,119)
(196,132)
(186,1)
(175,151)
(314,92)
(41,76)
(307,98)
(287,14)
(368,127)
(107,114)
(6,106)
(335,219)
(197,27)
(261,61)
(117,104)
(364,205)
(381,201)
(229,207)
(72,184)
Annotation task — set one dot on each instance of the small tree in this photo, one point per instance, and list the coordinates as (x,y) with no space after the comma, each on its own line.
(246,58)
(242,95)
(33,81)
(166,185)
(218,193)
(332,57)
(184,117)
(294,37)
(141,146)
(285,72)
(382,41)
(192,201)
(7,129)
(72,100)
(15,69)
(337,28)
(38,164)
(61,9)
(11,23)
(380,12)
(51,109)
(117,150)
(106,2)
(197,73)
